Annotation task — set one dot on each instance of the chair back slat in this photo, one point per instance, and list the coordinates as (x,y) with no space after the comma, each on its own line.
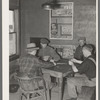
(30,84)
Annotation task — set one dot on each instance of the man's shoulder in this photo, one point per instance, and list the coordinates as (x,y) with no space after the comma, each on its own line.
(50,47)
(78,47)
(90,60)
(46,48)
(92,57)
(27,56)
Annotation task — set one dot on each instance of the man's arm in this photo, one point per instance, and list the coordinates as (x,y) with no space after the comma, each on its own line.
(43,64)
(54,55)
(76,61)
(82,67)
(39,54)
(73,66)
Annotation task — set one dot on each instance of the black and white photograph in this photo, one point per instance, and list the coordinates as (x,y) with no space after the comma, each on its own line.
(51,48)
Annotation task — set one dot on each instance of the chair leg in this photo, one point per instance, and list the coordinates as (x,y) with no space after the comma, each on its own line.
(45,95)
(48,94)
(20,97)
(28,96)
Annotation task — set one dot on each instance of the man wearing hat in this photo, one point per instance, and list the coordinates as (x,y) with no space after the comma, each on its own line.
(86,70)
(29,64)
(46,52)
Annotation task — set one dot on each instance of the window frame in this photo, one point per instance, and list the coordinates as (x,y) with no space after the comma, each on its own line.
(18,38)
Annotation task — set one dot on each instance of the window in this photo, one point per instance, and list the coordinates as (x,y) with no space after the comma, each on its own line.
(14,34)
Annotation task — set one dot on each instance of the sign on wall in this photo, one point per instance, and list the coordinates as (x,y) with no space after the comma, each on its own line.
(61,22)
(65,51)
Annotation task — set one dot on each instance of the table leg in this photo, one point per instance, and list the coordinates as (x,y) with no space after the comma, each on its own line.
(48,94)
(60,86)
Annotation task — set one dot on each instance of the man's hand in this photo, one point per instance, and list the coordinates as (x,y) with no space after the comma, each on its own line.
(46,58)
(51,60)
(76,61)
(73,66)
(71,63)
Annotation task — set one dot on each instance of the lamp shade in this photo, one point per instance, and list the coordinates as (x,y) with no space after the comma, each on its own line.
(50,5)
(47,6)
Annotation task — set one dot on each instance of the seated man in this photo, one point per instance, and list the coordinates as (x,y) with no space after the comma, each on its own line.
(87,73)
(46,52)
(30,65)
(78,55)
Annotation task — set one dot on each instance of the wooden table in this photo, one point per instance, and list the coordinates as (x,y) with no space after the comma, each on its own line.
(59,71)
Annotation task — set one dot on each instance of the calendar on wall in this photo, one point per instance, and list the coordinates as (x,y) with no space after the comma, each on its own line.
(61,22)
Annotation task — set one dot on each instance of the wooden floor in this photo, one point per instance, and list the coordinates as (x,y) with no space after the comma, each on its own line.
(54,94)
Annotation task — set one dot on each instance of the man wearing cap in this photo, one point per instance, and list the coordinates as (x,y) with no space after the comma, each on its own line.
(87,73)
(47,53)
(78,53)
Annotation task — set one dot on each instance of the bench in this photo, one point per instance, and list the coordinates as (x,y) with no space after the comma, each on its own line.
(88,93)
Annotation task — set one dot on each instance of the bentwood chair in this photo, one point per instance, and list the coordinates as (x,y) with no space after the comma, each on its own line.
(32,88)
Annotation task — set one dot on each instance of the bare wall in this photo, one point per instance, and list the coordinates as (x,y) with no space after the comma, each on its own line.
(35,21)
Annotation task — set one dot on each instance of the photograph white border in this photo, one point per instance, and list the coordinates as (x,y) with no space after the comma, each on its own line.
(5,49)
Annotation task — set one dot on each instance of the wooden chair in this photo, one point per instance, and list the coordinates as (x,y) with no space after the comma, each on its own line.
(32,88)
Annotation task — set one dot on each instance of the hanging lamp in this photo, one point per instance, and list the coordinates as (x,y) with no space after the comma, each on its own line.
(51,5)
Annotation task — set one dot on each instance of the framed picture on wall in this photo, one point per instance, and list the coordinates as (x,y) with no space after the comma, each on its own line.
(66,30)
(61,22)
(54,29)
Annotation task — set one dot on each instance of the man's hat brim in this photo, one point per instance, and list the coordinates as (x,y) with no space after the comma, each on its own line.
(33,48)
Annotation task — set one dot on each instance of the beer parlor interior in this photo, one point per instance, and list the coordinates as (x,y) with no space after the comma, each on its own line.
(63,25)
